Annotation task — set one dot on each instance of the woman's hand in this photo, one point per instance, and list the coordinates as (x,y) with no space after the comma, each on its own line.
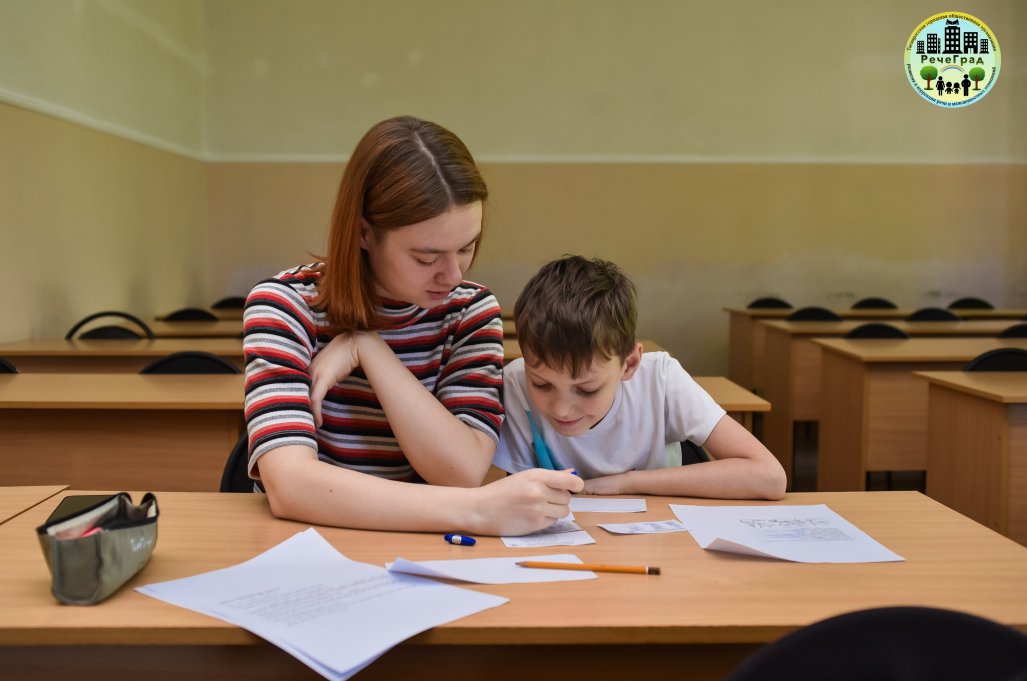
(523,503)
(335,362)
(609,485)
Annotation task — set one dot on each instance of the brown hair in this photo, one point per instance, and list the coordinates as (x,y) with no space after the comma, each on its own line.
(402,172)
(574,309)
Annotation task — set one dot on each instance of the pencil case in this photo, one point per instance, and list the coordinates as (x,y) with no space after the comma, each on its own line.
(94,551)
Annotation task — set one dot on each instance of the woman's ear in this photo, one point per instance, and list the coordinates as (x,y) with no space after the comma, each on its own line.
(631,362)
(366,234)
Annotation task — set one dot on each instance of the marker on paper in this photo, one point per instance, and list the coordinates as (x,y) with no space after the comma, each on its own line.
(460,539)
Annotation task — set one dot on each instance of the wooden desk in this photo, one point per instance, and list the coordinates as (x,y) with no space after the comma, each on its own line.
(977,446)
(124,431)
(509,329)
(746,338)
(506,313)
(220,329)
(873,414)
(15,500)
(706,612)
(792,375)
(738,402)
(109,356)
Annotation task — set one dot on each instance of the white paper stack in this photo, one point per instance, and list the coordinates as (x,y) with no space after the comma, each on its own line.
(335,615)
(592,505)
(652,527)
(804,534)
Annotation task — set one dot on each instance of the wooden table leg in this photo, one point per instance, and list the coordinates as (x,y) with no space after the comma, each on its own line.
(777,423)
(740,349)
(841,451)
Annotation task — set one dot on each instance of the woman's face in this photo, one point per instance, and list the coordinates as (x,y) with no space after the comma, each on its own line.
(421,263)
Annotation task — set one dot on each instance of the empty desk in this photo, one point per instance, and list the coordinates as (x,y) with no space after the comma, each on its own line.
(738,402)
(119,431)
(110,356)
(977,446)
(873,414)
(15,500)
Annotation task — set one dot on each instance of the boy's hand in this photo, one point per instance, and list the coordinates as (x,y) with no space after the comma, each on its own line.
(335,362)
(610,485)
(523,503)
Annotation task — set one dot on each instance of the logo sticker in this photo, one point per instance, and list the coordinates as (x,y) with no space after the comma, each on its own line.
(952,59)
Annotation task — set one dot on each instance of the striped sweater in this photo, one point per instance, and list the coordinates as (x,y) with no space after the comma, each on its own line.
(455,350)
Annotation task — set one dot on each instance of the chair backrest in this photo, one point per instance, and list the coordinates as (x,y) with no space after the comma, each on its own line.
(6,367)
(110,332)
(768,304)
(971,304)
(933,314)
(875,304)
(1018,331)
(191,363)
(191,314)
(813,314)
(877,330)
(230,303)
(236,479)
(907,644)
(1002,359)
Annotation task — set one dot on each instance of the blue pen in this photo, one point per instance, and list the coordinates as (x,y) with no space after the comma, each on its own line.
(460,539)
(545,460)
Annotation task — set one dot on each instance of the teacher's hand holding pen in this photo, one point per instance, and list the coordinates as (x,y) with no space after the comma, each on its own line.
(523,503)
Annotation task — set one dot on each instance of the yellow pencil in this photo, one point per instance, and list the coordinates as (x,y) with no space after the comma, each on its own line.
(629,569)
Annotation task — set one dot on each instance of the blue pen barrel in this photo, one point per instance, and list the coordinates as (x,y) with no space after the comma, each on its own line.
(460,540)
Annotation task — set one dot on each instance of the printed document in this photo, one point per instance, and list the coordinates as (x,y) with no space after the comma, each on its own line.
(592,505)
(333,614)
(804,534)
(655,527)
(493,570)
(543,538)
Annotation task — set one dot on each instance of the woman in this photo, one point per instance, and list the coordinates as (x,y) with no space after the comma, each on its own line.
(381,366)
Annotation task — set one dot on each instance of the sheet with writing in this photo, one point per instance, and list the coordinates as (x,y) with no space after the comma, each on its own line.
(803,534)
(335,615)
(493,570)
(565,538)
(654,527)
(592,505)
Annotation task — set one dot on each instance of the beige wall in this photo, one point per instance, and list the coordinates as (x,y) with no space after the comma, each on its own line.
(89,222)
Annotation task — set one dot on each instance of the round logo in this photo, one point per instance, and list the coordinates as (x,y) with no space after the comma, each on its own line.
(952,59)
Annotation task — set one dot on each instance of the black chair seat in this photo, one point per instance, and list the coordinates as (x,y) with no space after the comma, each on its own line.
(1002,359)
(875,304)
(933,314)
(813,314)
(897,644)
(191,314)
(110,332)
(236,479)
(1018,331)
(971,304)
(230,303)
(877,330)
(191,363)
(768,304)
(6,367)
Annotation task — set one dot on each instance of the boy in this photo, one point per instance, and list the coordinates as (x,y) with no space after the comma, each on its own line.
(585,397)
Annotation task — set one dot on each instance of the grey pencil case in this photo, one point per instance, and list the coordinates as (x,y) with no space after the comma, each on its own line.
(93,552)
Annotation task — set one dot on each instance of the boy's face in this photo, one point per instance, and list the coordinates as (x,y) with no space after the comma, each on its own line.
(573,405)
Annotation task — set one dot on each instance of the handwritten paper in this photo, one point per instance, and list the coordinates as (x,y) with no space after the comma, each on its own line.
(333,614)
(803,534)
(493,570)
(542,538)
(656,527)
(592,505)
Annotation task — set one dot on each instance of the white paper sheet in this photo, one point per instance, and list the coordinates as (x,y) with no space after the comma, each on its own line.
(493,570)
(804,534)
(655,527)
(333,614)
(534,539)
(590,505)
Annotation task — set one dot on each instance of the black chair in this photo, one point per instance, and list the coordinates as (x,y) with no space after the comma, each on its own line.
(877,330)
(230,303)
(971,304)
(875,304)
(191,314)
(191,363)
(933,314)
(111,332)
(6,367)
(236,478)
(1018,331)
(898,644)
(1002,359)
(692,453)
(813,314)
(768,304)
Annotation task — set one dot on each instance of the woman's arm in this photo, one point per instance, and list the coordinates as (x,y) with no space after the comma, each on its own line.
(742,469)
(302,488)
(442,449)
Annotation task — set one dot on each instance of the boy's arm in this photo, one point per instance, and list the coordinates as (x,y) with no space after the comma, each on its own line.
(742,469)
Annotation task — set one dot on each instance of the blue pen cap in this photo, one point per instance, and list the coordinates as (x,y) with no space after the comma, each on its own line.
(460,540)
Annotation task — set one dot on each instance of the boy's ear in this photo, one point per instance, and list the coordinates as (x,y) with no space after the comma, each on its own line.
(631,362)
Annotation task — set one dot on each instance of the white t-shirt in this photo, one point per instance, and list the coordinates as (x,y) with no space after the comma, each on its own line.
(654,411)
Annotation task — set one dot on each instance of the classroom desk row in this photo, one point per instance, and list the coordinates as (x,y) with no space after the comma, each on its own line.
(746,360)
(705,613)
